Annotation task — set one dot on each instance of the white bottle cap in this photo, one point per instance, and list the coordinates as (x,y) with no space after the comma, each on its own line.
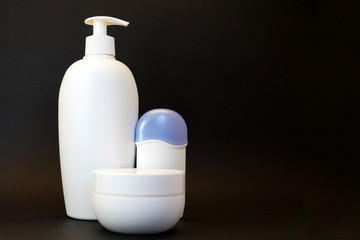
(99,43)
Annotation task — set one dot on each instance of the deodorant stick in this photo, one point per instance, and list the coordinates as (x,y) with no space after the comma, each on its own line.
(161,140)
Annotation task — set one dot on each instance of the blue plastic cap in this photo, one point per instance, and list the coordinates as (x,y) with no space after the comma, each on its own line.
(162,124)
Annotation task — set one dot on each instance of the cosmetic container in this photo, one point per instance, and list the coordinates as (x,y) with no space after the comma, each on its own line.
(98,112)
(138,201)
(161,140)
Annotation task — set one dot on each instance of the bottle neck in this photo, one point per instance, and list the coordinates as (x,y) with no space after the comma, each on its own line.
(100,45)
(90,56)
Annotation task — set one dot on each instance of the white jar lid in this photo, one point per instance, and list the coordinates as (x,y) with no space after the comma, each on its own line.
(139,182)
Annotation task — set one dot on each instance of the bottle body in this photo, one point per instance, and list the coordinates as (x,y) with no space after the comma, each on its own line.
(98,111)
(159,154)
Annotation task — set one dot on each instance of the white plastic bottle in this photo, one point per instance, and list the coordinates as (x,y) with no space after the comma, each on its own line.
(98,111)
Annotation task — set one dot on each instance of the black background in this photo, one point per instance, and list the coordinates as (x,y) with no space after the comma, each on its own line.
(269,90)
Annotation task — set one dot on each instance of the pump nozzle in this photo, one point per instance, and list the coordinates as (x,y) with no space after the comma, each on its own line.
(99,43)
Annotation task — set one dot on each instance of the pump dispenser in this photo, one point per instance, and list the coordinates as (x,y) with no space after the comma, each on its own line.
(99,42)
(98,111)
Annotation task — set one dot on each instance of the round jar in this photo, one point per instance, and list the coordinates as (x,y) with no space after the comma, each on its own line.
(138,201)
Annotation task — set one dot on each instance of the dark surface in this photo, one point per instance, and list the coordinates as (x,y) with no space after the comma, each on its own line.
(269,90)
(247,226)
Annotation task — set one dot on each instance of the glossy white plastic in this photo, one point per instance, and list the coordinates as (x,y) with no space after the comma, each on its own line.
(159,154)
(98,111)
(99,42)
(138,201)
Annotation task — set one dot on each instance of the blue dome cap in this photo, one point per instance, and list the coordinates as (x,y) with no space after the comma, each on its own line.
(162,124)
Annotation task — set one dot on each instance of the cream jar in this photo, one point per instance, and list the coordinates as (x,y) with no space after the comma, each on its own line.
(138,201)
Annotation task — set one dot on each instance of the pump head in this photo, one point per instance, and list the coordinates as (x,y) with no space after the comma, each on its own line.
(99,43)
